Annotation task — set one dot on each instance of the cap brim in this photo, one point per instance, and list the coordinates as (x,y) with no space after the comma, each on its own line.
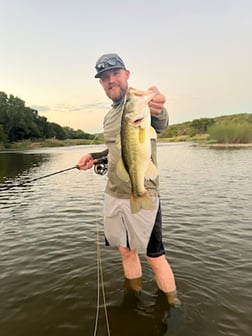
(98,75)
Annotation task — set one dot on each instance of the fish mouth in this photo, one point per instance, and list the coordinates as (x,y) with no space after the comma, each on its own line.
(137,121)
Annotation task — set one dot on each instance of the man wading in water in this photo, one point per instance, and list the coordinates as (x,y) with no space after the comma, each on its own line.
(124,229)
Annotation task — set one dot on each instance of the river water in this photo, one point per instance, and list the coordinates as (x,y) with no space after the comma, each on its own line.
(51,229)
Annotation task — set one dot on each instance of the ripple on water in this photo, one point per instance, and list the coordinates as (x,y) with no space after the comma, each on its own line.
(48,237)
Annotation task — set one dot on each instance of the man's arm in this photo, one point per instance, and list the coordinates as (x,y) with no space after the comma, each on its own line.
(99,155)
(87,161)
(159,114)
(161,121)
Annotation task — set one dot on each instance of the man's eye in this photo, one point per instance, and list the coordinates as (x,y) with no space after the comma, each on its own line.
(116,72)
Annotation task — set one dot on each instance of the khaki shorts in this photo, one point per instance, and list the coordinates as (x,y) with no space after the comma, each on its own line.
(140,231)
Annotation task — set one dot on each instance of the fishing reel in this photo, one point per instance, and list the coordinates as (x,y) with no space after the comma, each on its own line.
(101,166)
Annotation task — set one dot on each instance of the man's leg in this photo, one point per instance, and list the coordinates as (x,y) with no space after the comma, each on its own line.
(132,268)
(163,273)
(156,258)
(164,277)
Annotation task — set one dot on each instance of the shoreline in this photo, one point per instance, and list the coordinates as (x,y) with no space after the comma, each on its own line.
(226,145)
(38,145)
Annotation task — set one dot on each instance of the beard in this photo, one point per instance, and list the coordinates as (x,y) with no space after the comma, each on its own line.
(116,93)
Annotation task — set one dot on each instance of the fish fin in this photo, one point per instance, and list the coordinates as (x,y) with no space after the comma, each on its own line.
(146,95)
(141,202)
(151,172)
(121,171)
(142,135)
(153,133)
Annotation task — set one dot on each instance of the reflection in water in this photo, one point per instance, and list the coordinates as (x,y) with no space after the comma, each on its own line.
(13,165)
(134,317)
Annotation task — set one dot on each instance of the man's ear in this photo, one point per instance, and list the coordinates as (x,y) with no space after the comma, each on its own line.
(127,73)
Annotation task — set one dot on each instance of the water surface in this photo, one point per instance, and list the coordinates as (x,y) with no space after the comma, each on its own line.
(48,247)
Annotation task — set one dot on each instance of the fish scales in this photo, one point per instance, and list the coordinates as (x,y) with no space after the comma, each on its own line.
(136,147)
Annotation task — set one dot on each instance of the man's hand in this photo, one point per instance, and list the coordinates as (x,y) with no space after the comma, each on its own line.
(86,162)
(157,102)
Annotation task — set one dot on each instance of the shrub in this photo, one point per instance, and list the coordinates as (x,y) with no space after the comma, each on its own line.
(231,132)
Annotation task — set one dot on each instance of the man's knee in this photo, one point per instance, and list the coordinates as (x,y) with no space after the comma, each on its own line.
(156,261)
(126,253)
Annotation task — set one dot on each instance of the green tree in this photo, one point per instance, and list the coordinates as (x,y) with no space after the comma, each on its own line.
(20,122)
(56,131)
(3,136)
(201,125)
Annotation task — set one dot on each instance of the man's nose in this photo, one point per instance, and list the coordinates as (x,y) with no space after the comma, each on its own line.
(111,78)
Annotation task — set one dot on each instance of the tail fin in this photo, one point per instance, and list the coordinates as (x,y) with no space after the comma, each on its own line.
(141,202)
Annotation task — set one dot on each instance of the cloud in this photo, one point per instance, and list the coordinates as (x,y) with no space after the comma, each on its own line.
(41,108)
(88,117)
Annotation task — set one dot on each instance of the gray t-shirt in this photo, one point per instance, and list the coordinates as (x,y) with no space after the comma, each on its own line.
(111,125)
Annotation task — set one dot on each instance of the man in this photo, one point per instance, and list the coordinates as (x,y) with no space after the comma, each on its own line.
(122,228)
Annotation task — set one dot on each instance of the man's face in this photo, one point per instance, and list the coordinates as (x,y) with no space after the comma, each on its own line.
(115,83)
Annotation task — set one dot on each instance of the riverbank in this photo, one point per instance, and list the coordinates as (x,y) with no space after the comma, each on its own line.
(199,140)
(29,144)
(203,140)
(230,145)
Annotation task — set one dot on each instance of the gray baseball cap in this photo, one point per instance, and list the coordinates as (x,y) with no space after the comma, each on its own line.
(108,62)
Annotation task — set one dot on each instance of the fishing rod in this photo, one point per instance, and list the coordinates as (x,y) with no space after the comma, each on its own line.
(100,168)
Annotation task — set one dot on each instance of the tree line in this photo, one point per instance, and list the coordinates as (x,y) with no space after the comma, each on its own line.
(236,128)
(19,122)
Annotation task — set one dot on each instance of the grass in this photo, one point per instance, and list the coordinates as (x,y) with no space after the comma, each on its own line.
(231,133)
(29,144)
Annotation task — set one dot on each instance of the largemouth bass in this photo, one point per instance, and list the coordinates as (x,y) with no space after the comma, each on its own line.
(136,132)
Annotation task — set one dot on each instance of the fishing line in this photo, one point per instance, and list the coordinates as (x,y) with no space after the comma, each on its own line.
(100,168)
(100,278)
(97,263)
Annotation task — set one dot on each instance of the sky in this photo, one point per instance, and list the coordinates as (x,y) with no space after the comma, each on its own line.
(197,52)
